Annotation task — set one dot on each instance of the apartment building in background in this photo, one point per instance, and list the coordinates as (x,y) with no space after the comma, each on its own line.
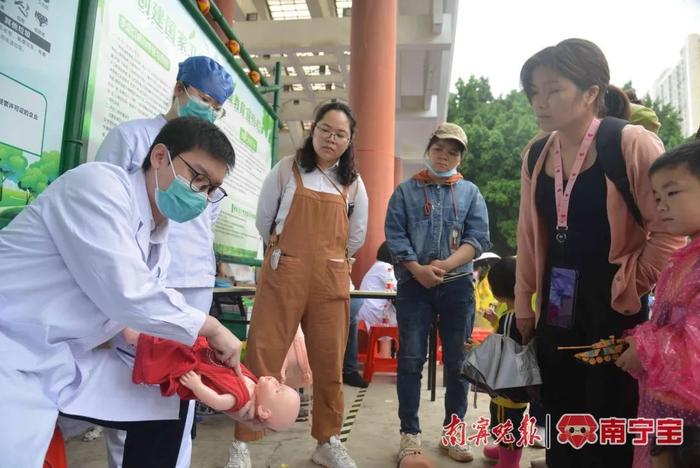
(680,85)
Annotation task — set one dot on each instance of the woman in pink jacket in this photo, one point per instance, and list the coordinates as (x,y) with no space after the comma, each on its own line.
(581,248)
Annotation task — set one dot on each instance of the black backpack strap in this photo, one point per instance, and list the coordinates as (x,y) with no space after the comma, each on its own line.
(609,147)
(534,154)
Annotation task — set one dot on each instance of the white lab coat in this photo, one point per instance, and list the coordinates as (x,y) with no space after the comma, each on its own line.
(76,267)
(126,146)
(192,271)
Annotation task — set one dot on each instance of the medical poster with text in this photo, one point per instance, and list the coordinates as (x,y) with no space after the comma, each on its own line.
(36,46)
(138,45)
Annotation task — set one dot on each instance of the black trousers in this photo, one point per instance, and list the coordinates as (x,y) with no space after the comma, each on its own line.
(569,386)
(149,444)
(500,414)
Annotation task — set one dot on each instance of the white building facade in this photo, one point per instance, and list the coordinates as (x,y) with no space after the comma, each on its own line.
(680,85)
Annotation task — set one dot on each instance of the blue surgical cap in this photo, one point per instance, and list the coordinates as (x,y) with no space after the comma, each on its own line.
(208,76)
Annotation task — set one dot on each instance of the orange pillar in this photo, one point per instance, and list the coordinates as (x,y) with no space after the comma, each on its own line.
(372,98)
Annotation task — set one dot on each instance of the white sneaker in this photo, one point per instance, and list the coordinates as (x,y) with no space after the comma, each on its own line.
(238,455)
(332,454)
(460,453)
(410,445)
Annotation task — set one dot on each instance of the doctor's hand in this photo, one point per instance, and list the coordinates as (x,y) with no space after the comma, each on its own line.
(224,343)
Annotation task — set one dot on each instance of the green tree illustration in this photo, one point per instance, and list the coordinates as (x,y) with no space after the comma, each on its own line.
(12,165)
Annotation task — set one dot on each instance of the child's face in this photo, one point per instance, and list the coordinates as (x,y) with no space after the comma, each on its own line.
(677,193)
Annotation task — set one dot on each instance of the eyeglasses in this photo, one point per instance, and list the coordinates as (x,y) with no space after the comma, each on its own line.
(202,184)
(327,133)
(219,111)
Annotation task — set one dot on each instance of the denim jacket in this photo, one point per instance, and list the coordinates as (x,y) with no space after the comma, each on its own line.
(413,234)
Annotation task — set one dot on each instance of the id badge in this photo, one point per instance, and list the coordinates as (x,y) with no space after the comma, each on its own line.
(275,258)
(562,298)
(455,237)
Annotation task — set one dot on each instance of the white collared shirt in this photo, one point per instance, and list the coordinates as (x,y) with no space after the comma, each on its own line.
(273,194)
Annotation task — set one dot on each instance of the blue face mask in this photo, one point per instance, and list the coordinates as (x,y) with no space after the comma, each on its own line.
(449,173)
(196,108)
(179,202)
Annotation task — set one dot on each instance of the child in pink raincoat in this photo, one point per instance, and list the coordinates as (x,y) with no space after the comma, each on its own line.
(664,353)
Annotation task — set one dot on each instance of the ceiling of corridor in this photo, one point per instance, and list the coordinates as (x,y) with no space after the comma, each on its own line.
(311,40)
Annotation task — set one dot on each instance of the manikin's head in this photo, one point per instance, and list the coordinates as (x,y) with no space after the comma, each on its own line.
(276,405)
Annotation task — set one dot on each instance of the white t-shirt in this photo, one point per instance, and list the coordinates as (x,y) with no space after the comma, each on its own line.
(376,279)
(275,201)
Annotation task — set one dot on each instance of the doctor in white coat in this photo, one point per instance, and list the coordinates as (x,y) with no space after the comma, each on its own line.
(201,89)
(80,264)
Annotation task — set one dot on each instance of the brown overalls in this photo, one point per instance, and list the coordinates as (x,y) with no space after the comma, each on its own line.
(310,286)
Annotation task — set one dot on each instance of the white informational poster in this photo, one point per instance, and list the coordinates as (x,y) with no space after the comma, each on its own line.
(137,47)
(36,50)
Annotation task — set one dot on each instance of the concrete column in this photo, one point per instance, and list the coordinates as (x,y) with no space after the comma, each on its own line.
(372,98)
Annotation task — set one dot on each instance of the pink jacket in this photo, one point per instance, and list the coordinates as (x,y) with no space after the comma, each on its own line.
(641,253)
(668,347)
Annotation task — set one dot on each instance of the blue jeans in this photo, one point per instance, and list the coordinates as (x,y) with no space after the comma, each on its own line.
(350,364)
(416,308)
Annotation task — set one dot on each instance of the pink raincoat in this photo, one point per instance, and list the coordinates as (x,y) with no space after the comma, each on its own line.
(668,347)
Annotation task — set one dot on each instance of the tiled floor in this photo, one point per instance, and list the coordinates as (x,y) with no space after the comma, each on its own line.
(372,441)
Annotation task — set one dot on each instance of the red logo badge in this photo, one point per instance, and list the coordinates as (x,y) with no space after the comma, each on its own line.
(577,430)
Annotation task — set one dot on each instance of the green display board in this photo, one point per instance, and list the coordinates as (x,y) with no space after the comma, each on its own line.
(36,50)
(137,46)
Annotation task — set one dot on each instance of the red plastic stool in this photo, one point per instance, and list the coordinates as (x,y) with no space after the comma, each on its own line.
(362,340)
(480,334)
(374,363)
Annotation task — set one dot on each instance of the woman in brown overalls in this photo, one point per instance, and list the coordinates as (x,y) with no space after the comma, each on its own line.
(312,214)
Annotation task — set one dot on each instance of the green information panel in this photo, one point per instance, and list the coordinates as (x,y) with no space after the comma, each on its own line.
(136,50)
(36,46)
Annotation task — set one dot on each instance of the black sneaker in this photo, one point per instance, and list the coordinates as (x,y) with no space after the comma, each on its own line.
(354,380)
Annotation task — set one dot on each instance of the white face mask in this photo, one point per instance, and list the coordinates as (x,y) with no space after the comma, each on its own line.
(449,173)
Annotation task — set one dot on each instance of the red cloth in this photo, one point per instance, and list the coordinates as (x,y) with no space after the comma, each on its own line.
(56,454)
(162,362)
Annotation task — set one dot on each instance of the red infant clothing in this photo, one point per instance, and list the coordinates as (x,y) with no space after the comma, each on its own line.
(162,362)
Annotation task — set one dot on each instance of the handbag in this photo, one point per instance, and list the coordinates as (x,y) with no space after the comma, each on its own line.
(500,366)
